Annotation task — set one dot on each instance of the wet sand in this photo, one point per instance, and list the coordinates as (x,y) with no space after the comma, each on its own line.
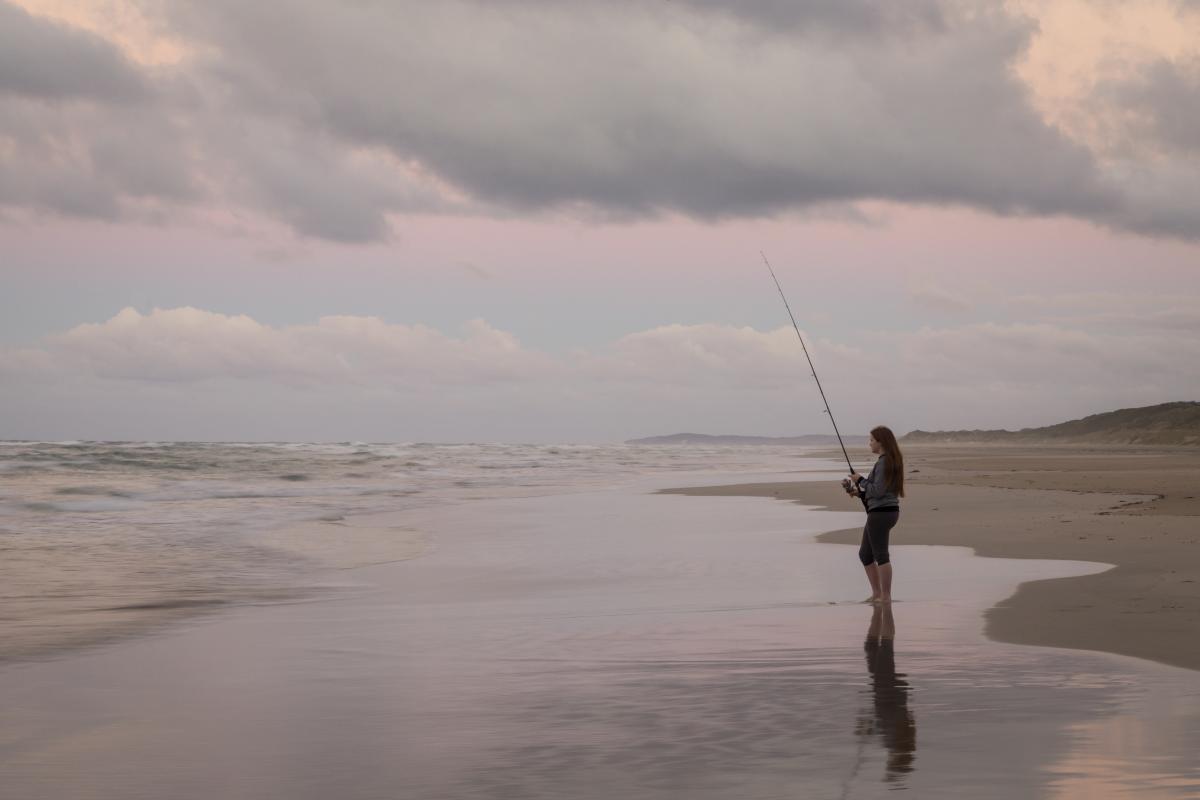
(607,644)
(1135,508)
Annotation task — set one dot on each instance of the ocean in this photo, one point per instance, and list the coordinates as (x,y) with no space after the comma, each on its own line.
(102,539)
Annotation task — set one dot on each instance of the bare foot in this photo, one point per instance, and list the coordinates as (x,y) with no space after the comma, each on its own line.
(885,599)
(872,599)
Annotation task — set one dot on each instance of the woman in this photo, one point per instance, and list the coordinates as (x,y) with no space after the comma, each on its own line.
(881,490)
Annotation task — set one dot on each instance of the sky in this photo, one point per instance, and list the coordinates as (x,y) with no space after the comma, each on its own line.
(535,221)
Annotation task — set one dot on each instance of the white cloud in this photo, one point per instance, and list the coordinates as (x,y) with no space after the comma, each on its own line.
(1178,313)
(344,376)
(1044,355)
(939,298)
(189,344)
(705,354)
(1087,301)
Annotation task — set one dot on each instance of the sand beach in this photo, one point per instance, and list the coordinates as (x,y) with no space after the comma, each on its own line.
(599,636)
(1133,507)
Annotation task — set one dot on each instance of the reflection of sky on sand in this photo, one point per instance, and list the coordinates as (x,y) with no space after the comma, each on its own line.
(1136,751)
(597,645)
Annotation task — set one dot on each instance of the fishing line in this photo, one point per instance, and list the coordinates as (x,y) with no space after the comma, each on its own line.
(810,363)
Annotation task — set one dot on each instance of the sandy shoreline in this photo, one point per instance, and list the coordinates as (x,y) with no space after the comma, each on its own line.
(1135,508)
(596,644)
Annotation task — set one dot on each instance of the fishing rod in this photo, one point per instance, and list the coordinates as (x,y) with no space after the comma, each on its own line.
(810,364)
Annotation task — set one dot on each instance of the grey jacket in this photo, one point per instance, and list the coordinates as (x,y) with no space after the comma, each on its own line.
(874,487)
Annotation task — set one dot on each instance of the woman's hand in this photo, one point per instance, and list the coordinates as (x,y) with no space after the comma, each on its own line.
(855,477)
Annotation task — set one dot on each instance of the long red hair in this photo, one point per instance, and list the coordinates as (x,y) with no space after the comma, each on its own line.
(895,459)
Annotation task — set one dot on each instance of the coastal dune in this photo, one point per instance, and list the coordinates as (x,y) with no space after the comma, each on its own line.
(1134,508)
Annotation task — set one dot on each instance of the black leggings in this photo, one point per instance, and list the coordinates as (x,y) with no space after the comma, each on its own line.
(874,548)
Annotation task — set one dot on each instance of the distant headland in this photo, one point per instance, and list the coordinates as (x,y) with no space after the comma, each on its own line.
(809,440)
(1163,424)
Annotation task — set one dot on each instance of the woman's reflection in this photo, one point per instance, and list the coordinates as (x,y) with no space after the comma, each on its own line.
(893,720)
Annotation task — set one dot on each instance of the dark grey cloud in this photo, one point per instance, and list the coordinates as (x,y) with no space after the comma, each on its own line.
(306,180)
(88,160)
(1162,103)
(532,105)
(847,18)
(331,117)
(44,59)
(85,132)
(84,129)
(843,17)
(1152,118)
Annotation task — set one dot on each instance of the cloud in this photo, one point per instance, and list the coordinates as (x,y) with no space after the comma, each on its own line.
(316,185)
(1178,312)
(85,132)
(939,298)
(715,355)
(50,61)
(844,17)
(1182,320)
(639,110)
(707,377)
(334,118)
(1150,117)
(84,160)
(1045,356)
(82,130)
(1161,104)
(190,345)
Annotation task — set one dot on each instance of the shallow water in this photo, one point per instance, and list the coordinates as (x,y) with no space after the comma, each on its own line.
(609,643)
(100,539)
